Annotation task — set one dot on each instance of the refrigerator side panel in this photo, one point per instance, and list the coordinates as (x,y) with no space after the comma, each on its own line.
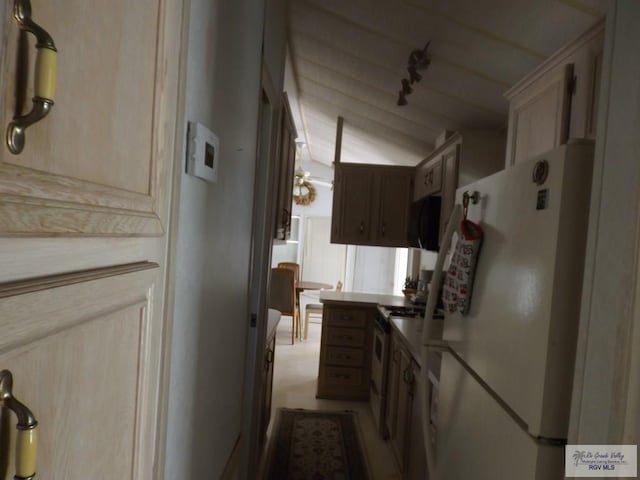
(568,279)
(477,439)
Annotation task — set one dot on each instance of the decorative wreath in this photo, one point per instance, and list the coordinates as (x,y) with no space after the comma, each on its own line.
(303,192)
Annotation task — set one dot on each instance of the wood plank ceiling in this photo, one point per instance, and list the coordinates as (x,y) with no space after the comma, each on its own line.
(349,57)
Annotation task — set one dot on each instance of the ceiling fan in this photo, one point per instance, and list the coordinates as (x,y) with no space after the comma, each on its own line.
(301,176)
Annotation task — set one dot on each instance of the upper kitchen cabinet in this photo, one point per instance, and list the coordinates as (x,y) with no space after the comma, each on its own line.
(558,100)
(285,158)
(462,159)
(371,204)
(93,166)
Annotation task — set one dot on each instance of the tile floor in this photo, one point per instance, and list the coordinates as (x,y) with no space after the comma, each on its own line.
(294,386)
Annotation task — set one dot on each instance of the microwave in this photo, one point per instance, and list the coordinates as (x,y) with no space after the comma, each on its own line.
(424,223)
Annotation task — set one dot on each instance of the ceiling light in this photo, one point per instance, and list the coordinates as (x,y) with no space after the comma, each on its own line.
(419,59)
(414,76)
(406,88)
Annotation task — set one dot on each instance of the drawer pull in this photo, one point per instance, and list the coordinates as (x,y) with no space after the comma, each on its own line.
(346,317)
(342,376)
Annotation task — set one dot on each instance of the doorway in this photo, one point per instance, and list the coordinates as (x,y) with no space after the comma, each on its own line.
(322,261)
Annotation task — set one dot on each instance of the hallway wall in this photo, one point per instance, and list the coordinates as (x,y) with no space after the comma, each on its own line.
(223,66)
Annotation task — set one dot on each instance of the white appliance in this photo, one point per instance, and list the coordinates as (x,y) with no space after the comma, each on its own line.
(507,365)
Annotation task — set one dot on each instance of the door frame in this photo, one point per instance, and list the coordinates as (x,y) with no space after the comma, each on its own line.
(263,227)
(606,391)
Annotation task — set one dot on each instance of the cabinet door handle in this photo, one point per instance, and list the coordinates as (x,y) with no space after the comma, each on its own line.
(346,317)
(44,77)
(407,376)
(27,437)
(361,227)
(268,356)
(384,228)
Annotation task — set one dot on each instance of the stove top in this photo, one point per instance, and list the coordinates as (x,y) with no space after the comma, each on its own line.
(407,311)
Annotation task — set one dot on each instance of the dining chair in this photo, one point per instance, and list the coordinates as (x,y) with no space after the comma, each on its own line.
(291,266)
(282,295)
(295,267)
(315,309)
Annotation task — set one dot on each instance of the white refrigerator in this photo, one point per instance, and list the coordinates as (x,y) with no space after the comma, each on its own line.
(507,369)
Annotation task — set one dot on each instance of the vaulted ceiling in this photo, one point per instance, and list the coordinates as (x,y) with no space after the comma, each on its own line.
(349,57)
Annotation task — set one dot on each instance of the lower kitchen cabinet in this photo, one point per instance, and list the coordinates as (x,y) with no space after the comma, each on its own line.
(401,389)
(345,352)
(267,391)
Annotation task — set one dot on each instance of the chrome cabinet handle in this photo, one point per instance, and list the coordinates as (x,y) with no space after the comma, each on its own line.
(361,227)
(27,437)
(44,78)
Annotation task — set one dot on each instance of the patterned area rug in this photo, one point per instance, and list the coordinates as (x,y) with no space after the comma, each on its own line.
(316,445)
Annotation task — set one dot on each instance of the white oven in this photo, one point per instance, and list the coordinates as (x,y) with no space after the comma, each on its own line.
(379,362)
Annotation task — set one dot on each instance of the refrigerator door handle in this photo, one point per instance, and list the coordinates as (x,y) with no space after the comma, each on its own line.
(428,343)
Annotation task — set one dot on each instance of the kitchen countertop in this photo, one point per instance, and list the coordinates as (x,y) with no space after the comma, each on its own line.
(410,331)
(272,323)
(359,298)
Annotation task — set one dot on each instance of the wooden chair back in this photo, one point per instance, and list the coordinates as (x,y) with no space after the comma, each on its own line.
(282,291)
(282,295)
(291,266)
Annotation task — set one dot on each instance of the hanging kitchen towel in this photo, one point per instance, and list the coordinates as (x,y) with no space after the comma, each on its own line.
(456,291)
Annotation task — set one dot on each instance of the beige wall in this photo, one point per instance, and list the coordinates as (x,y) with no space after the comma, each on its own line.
(214,232)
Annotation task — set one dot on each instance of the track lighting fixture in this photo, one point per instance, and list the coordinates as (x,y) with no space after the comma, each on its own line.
(419,59)
(406,87)
(414,76)
(402,99)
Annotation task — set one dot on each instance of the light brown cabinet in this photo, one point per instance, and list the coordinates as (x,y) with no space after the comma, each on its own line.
(401,389)
(371,205)
(558,100)
(286,155)
(464,158)
(345,352)
(267,392)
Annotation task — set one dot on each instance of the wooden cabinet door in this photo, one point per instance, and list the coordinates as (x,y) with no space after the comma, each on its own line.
(428,179)
(394,199)
(392,387)
(353,193)
(539,116)
(83,214)
(286,162)
(268,389)
(450,160)
(403,409)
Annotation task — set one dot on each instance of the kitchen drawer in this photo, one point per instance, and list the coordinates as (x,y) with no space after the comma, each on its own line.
(343,377)
(350,357)
(347,337)
(345,317)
